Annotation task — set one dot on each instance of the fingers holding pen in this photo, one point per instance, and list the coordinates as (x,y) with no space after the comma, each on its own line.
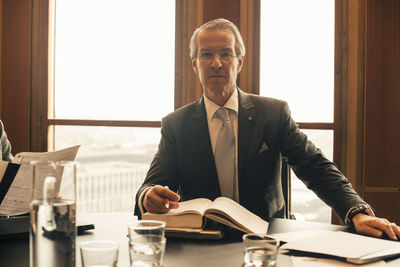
(170,197)
(157,198)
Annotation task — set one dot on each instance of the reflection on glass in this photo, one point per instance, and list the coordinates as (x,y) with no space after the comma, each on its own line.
(112,163)
(304,202)
(114,59)
(297,56)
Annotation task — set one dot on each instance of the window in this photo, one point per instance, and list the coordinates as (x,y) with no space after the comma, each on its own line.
(113,82)
(297,65)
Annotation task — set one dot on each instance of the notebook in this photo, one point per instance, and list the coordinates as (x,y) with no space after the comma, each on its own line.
(18,227)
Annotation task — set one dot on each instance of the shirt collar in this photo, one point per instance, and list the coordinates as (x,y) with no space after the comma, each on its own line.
(232,103)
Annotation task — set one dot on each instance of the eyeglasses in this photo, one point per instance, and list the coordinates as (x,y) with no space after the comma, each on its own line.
(224,56)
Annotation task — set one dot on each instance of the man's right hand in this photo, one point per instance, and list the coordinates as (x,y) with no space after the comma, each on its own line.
(154,199)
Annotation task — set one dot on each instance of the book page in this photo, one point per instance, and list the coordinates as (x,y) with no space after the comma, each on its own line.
(231,213)
(198,205)
(19,195)
(189,214)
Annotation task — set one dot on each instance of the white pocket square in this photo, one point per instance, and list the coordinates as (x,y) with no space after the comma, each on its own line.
(263,148)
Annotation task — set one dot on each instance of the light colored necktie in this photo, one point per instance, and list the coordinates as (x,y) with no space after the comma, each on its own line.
(225,155)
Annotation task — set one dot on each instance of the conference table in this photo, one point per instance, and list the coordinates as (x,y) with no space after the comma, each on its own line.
(179,252)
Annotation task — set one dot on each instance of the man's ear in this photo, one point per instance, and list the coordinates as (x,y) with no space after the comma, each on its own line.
(240,63)
(194,65)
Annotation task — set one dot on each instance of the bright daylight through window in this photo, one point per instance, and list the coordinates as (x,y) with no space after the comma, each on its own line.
(110,64)
(297,65)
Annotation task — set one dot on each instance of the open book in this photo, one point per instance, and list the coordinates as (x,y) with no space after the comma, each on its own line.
(15,187)
(192,216)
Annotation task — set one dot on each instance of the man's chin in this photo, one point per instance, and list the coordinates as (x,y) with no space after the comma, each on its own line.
(217,85)
(218,90)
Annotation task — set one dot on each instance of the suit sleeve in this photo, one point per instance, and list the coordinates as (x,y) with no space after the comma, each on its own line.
(5,145)
(163,169)
(310,165)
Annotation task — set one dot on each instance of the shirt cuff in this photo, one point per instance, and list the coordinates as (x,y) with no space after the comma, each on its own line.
(140,203)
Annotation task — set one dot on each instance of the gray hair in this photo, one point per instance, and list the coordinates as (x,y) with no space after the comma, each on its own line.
(220,24)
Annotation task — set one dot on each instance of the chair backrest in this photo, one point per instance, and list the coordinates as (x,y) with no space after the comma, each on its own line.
(287,188)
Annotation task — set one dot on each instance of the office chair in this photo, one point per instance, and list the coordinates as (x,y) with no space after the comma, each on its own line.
(287,189)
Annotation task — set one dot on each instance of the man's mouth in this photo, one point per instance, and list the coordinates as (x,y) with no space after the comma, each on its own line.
(216,76)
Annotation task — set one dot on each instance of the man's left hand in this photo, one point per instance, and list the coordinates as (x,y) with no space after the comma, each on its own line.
(373,226)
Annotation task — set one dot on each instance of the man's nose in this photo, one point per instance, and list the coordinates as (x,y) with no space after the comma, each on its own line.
(216,62)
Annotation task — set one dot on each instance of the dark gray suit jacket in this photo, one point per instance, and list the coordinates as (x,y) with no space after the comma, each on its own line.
(185,160)
(5,146)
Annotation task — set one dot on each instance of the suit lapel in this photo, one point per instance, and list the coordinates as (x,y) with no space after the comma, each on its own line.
(246,121)
(199,128)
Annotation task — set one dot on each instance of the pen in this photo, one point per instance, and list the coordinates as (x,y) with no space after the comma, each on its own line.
(166,200)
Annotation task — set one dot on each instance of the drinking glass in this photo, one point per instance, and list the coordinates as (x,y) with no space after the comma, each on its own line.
(99,253)
(52,211)
(146,243)
(260,250)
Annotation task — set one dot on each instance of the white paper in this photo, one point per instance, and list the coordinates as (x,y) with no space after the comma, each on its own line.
(319,262)
(342,244)
(3,168)
(296,235)
(18,196)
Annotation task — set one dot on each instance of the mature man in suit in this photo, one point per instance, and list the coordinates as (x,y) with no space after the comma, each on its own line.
(263,133)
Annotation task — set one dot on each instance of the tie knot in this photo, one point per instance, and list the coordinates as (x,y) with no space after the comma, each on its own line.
(223,114)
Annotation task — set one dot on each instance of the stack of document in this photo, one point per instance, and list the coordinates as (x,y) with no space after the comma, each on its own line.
(353,248)
(15,178)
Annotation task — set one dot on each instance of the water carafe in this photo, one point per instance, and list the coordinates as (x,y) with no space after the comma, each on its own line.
(52,214)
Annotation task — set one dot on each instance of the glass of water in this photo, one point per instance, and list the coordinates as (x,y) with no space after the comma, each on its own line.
(146,243)
(260,250)
(99,253)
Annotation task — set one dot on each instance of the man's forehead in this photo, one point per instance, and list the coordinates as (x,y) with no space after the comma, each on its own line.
(222,39)
(226,49)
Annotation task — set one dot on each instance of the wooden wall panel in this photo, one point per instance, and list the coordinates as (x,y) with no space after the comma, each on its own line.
(189,16)
(227,9)
(349,89)
(249,77)
(1,34)
(384,203)
(15,72)
(40,65)
(382,94)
